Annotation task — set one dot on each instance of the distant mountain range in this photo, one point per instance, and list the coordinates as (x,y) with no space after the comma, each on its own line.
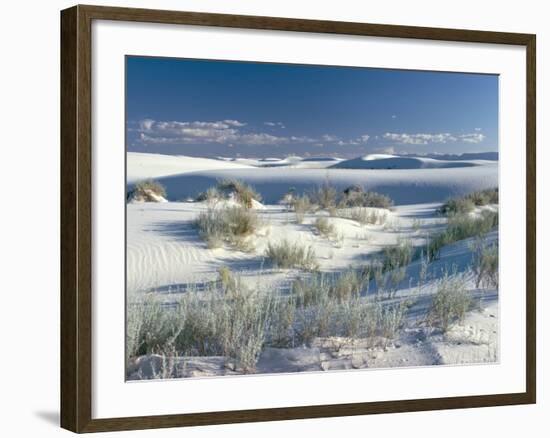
(492,156)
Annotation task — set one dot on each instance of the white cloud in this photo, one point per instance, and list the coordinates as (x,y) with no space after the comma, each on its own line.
(472,138)
(235,123)
(146,124)
(389,150)
(424,138)
(228,132)
(364,138)
(275,124)
(477,129)
(329,138)
(393,116)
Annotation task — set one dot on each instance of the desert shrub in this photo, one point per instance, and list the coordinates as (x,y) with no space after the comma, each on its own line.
(467,203)
(324,227)
(347,285)
(464,226)
(311,290)
(212,194)
(398,255)
(316,318)
(457,206)
(363,215)
(150,326)
(485,263)
(331,305)
(390,320)
(228,282)
(283,316)
(301,206)
(484,197)
(228,225)
(325,196)
(450,303)
(461,227)
(285,255)
(357,318)
(242,324)
(377,270)
(356,196)
(288,198)
(211,322)
(242,192)
(147,191)
(395,278)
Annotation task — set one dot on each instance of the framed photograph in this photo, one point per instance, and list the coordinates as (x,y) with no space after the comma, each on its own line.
(270,218)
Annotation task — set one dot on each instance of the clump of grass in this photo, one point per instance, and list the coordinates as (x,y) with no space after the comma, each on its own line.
(358,319)
(147,191)
(466,204)
(242,324)
(347,285)
(461,227)
(226,318)
(457,206)
(149,328)
(356,196)
(398,255)
(363,215)
(301,206)
(211,322)
(211,195)
(285,255)
(325,196)
(324,227)
(484,197)
(485,263)
(331,305)
(450,303)
(242,192)
(227,226)
(390,319)
(283,317)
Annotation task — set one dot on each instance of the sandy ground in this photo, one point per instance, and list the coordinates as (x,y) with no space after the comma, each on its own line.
(165,254)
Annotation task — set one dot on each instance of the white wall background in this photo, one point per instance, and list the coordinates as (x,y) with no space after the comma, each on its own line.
(29,217)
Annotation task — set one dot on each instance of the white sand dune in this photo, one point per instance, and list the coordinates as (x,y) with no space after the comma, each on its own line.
(403,186)
(164,249)
(140,166)
(165,253)
(185,177)
(382,161)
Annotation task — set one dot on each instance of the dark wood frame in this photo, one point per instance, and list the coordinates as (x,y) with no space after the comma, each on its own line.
(76,218)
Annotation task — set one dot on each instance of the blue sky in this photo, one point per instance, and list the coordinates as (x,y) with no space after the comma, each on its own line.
(221,108)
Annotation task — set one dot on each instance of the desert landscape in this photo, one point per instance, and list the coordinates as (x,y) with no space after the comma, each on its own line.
(290,264)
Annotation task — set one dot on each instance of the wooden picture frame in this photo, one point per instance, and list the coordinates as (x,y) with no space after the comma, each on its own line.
(76,217)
